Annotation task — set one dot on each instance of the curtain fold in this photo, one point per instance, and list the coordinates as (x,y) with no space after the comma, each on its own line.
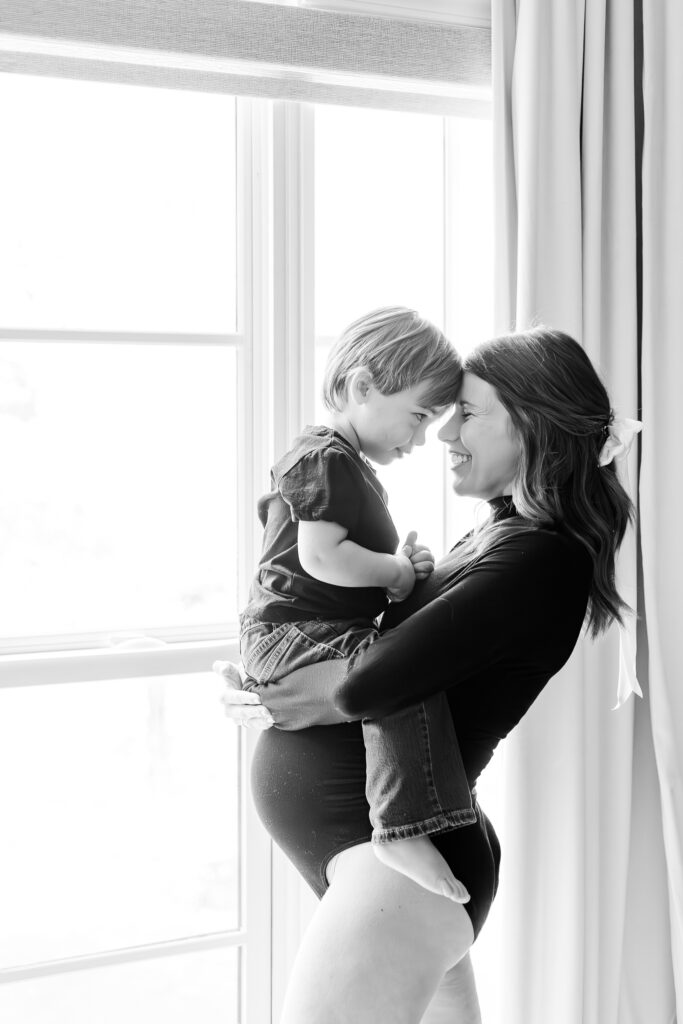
(566,213)
(662,466)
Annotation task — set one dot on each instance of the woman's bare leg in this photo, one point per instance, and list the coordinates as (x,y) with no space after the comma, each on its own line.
(377,948)
(456,1000)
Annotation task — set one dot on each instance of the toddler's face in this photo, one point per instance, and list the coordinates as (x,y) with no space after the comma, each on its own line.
(389,426)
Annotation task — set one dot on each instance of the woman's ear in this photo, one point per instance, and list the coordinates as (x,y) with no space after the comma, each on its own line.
(359,385)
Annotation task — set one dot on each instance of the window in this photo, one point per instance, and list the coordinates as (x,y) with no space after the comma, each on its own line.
(121,835)
(103,184)
(169,289)
(415,229)
(119,253)
(127,347)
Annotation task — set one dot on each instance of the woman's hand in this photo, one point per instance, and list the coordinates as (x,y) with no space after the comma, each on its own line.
(242,706)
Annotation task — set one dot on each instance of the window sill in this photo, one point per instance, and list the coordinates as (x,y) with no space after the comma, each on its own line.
(129,659)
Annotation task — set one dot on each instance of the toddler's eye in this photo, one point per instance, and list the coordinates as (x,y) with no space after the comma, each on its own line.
(420,416)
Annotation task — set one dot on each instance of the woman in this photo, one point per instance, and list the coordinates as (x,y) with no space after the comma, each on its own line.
(500,615)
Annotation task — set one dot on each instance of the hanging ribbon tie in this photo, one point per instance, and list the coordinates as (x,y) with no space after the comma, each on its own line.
(628,680)
(620,434)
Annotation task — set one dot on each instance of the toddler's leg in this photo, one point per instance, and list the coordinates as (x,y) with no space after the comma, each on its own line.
(416,785)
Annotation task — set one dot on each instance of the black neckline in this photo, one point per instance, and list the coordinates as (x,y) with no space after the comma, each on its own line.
(502,507)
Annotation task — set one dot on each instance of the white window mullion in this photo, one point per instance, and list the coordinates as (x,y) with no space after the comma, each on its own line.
(134,659)
(449,312)
(293,402)
(248,320)
(114,957)
(121,337)
(293,295)
(255,448)
(257,896)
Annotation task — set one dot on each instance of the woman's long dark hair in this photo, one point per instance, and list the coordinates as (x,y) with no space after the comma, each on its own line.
(560,410)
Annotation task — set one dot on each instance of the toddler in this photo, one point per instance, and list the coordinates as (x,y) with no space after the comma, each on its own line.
(329,567)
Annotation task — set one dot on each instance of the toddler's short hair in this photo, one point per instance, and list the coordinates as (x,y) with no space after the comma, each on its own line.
(401,350)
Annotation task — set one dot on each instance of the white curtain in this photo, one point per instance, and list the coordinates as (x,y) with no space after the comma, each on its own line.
(662,467)
(583,859)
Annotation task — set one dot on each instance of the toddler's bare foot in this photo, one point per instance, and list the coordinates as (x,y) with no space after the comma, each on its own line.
(420,860)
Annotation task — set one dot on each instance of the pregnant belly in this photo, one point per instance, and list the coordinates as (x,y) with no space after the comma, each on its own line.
(309,791)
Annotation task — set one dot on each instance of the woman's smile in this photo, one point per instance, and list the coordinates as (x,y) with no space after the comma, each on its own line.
(459,459)
(483,447)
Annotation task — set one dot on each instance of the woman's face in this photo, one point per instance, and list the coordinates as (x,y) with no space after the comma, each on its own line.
(482,442)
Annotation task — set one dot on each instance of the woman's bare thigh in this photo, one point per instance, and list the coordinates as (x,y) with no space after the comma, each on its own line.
(377,948)
(456,1000)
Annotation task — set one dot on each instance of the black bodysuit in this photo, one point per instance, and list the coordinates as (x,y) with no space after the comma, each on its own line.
(489,637)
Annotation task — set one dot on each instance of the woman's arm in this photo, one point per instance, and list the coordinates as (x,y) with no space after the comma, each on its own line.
(305,697)
(523,602)
(526,599)
(329,694)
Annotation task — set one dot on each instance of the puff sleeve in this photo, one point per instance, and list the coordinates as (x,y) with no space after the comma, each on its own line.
(322,485)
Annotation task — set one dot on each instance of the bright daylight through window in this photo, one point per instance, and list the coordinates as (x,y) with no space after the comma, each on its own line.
(128,370)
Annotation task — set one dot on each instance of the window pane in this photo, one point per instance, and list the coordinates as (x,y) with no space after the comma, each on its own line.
(383,232)
(121,824)
(201,987)
(117,206)
(120,480)
(470,231)
(379,214)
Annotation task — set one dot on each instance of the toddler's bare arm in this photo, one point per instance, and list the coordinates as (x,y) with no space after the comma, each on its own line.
(326,554)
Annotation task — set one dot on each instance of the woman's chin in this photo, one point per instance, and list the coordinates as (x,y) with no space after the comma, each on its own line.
(460,485)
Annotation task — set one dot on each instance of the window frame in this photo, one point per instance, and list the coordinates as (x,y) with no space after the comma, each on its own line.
(88,657)
(275,339)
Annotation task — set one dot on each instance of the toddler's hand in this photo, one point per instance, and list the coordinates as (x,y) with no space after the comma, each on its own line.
(423,561)
(405,573)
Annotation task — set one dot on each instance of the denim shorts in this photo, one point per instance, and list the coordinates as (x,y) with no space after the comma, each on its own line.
(270,650)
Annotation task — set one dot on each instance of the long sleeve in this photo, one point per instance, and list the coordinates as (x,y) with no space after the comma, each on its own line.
(523,602)
(305,697)
(519,608)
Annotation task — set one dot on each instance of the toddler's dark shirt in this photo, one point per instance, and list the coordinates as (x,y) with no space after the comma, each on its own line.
(321,477)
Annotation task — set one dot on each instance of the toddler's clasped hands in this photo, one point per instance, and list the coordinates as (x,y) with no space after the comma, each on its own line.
(414,562)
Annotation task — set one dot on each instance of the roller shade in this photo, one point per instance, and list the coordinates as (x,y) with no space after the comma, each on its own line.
(254,49)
